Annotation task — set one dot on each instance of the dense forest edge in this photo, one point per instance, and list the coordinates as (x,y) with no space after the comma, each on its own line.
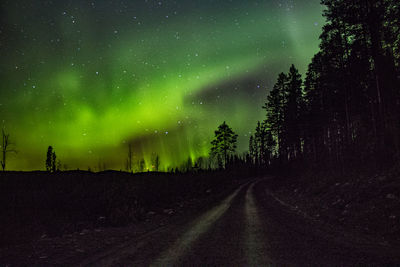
(345,114)
(331,140)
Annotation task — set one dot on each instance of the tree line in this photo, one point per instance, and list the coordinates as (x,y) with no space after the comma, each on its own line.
(346,112)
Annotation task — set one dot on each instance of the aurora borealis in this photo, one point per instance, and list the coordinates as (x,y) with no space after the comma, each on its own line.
(89,77)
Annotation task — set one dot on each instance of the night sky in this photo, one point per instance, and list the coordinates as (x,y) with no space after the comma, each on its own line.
(89,77)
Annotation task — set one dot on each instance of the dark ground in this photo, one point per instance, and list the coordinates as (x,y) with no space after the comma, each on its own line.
(364,203)
(227,222)
(250,228)
(37,204)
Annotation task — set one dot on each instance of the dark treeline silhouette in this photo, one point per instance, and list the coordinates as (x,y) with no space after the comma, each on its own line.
(347,111)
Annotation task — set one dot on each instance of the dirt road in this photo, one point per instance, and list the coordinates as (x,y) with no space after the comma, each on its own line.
(250,227)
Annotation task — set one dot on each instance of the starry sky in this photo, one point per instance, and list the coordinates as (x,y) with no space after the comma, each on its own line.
(91,77)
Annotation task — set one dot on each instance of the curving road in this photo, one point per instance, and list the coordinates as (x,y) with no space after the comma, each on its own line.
(250,227)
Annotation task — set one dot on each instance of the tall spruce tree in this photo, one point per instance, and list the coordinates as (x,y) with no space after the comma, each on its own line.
(224,144)
(293,111)
(275,109)
(50,160)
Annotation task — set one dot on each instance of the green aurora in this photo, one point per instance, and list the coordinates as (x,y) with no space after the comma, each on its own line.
(91,77)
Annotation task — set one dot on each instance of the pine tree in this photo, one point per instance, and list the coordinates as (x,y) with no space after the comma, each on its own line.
(264,144)
(49,158)
(274,107)
(155,161)
(224,144)
(293,112)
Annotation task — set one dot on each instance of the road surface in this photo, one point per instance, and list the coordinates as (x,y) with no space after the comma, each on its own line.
(250,227)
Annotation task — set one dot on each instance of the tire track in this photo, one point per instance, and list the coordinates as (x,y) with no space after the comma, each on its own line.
(255,242)
(199,227)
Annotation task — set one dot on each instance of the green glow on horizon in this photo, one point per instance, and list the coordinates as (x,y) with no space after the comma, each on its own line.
(146,80)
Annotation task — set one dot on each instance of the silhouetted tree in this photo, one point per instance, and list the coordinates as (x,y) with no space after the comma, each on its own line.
(201,163)
(224,144)
(262,145)
(189,164)
(51,160)
(5,148)
(292,112)
(285,106)
(275,108)
(155,161)
(129,159)
(142,165)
